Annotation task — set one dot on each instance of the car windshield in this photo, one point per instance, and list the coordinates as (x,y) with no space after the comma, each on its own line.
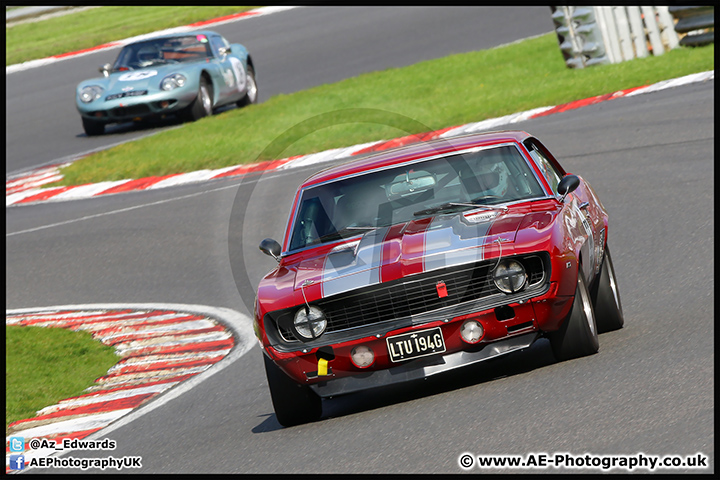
(160,51)
(346,207)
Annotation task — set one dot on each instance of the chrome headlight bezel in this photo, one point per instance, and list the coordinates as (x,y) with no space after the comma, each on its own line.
(510,276)
(309,323)
(90,93)
(173,81)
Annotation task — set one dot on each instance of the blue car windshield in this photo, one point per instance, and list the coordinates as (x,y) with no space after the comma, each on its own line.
(159,51)
(345,207)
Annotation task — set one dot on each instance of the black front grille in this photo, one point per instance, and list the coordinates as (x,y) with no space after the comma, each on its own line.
(409,296)
(131,110)
(406,298)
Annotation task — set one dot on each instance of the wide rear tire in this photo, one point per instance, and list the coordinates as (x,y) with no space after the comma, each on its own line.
(605,297)
(294,404)
(577,337)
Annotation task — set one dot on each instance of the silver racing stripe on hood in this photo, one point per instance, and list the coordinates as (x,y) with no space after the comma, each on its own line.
(348,269)
(451,241)
(448,241)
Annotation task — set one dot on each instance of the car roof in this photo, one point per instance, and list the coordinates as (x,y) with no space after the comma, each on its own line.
(415,151)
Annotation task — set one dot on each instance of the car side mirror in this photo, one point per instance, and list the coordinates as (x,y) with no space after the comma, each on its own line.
(568,184)
(270,247)
(224,50)
(105,69)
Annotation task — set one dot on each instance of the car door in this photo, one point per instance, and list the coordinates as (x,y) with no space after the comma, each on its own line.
(231,68)
(582,202)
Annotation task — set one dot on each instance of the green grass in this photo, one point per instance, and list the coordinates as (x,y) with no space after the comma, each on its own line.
(45,365)
(97,26)
(427,96)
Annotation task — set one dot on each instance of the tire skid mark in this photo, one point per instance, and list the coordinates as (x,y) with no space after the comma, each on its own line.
(158,350)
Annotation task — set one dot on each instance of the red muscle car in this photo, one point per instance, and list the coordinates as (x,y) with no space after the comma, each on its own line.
(427,258)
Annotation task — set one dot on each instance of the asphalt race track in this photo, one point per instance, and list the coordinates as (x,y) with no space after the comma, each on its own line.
(292,50)
(649,390)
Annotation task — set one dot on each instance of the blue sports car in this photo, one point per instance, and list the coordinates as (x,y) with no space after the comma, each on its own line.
(186,74)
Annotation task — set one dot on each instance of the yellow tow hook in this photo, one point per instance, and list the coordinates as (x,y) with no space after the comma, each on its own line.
(322,367)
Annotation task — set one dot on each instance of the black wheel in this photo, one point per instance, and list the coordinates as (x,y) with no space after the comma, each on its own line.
(92,128)
(605,298)
(252,91)
(202,105)
(577,336)
(293,403)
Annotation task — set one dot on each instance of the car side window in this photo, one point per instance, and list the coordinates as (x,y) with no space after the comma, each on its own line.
(549,170)
(217,43)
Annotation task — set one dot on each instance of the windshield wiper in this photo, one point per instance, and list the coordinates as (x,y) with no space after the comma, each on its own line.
(439,208)
(452,205)
(340,233)
(502,208)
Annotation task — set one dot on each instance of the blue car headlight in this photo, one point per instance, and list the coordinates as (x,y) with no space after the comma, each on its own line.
(171,82)
(90,93)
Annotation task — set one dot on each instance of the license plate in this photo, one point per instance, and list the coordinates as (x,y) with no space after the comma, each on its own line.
(415,344)
(134,93)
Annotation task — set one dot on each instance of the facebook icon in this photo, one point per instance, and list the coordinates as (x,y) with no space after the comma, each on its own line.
(17,462)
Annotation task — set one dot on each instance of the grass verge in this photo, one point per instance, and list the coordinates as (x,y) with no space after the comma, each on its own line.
(89,28)
(45,365)
(429,95)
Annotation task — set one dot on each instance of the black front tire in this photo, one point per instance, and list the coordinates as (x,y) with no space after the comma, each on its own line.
(92,128)
(294,404)
(252,91)
(202,105)
(605,297)
(577,337)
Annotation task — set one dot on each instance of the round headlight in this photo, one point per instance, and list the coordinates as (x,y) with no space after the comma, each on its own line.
(362,356)
(472,331)
(509,276)
(173,81)
(310,322)
(88,94)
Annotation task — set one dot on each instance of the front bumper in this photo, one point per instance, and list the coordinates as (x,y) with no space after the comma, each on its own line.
(422,367)
(144,106)
(507,328)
